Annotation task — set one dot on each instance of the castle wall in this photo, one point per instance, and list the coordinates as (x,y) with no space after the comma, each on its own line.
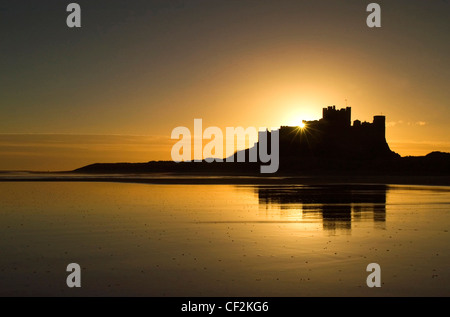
(334,136)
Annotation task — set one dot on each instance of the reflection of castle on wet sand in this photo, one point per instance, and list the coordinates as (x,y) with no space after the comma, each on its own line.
(337,205)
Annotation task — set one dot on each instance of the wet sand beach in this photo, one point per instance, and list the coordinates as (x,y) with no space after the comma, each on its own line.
(274,239)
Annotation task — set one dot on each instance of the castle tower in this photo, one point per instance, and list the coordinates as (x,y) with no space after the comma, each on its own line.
(379,124)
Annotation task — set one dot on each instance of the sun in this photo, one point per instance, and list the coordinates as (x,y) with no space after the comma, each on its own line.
(302,125)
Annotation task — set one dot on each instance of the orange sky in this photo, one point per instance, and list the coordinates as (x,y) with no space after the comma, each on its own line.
(114,89)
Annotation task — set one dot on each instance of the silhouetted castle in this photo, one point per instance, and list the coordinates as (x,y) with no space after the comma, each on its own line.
(334,136)
(326,147)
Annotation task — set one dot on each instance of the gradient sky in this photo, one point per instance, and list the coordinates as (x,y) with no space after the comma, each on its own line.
(114,89)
